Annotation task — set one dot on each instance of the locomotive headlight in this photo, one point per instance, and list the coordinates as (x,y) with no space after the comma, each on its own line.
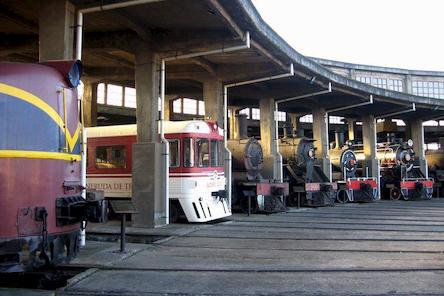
(74,74)
(71,70)
(407,157)
(410,142)
(352,162)
(311,153)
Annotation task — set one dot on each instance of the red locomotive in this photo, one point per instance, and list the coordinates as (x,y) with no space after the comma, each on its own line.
(41,201)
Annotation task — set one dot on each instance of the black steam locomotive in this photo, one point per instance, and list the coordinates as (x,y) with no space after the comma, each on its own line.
(400,172)
(351,186)
(250,189)
(307,180)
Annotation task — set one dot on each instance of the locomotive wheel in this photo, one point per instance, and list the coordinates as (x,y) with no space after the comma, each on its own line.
(342,196)
(395,194)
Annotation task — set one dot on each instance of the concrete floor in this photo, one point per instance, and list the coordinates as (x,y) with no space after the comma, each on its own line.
(384,248)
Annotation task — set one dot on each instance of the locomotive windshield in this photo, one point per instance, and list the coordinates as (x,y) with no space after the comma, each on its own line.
(188,152)
(214,161)
(202,153)
(174,153)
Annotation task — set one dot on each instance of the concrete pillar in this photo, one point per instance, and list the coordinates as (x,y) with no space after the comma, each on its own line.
(272,163)
(370,146)
(351,129)
(352,74)
(320,135)
(417,135)
(408,84)
(56,30)
(148,169)
(214,100)
(233,123)
(89,103)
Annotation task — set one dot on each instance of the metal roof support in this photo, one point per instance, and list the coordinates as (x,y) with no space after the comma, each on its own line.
(412,109)
(306,95)
(228,152)
(369,102)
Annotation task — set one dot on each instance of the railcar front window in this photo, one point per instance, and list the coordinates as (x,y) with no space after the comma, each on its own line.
(220,153)
(111,157)
(174,153)
(214,155)
(188,153)
(202,153)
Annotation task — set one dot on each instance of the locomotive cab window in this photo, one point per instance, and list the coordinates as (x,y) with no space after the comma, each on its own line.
(188,152)
(202,153)
(110,157)
(174,153)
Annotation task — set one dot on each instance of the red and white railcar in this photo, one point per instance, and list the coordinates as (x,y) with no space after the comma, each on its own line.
(197,180)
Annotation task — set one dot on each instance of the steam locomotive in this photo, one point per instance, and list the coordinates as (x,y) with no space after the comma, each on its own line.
(400,173)
(41,201)
(307,179)
(435,162)
(351,187)
(250,188)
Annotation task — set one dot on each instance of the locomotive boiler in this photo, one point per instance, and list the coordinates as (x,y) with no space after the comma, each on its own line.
(306,179)
(351,188)
(400,172)
(250,188)
(41,201)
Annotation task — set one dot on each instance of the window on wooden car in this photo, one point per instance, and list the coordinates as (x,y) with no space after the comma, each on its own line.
(188,152)
(174,153)
(202,153)
(214,155)
(110,157)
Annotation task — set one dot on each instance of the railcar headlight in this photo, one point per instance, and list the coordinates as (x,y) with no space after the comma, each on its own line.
(71,70)
(410,142)
(74,74)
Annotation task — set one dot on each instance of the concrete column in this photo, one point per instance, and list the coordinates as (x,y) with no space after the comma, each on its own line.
(272,163)
(351,129)
(214,100)
(320,135)
(148,169)
(233,123)
(90,103)
(408,84)
(56,30)
(417,135)
(352,74)
(370,146)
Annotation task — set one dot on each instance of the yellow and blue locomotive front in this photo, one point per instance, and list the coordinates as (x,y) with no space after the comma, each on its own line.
(40,145)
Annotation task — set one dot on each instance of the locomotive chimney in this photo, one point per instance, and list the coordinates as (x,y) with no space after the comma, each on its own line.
(241,126)
(339,139)
(288,129)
